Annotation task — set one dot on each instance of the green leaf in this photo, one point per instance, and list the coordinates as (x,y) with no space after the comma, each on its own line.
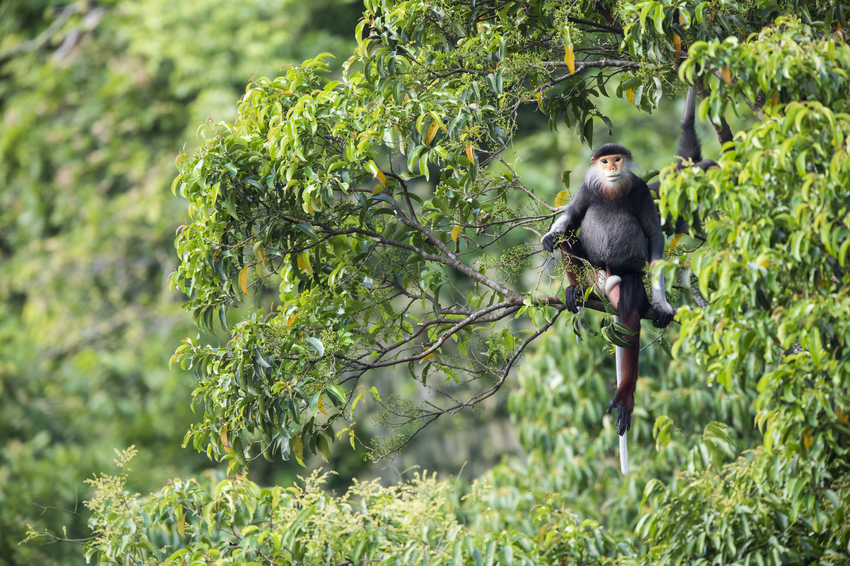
(317,345)
(661,432)
(323,448)
(337,392)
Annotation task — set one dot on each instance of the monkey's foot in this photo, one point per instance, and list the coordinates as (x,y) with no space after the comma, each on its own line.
(570,299)
(624,411)
(664,314)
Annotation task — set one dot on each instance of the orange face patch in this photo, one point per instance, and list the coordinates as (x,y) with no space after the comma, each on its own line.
(611,163)
(611,173)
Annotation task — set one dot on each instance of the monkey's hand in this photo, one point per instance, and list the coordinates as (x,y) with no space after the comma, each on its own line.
(548,239)
(664,313)
(559,227)
(570,299)
(624,402)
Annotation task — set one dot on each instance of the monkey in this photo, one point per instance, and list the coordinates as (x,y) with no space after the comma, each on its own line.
(690,149)
(620,233)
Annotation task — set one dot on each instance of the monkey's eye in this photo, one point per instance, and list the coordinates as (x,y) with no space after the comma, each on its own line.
(604,161)
(617,160)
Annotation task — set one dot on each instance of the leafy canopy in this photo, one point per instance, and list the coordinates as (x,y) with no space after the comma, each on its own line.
(318,188)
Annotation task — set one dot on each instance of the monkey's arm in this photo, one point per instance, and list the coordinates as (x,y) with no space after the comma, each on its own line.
(651,224)
(569,220)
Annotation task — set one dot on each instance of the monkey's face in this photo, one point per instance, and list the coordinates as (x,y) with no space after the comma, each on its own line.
(611,174)
(613,168)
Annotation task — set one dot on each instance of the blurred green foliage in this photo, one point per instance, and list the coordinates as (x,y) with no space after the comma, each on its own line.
(91,119)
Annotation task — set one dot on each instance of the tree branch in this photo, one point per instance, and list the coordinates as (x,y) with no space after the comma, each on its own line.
(602,63)
(612,29)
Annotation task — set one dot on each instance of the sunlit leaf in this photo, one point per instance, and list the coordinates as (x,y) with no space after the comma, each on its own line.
(243,280)
(302,263)
(225,443)
(456,232)
(298,449)
(570,58)
(561,198)
(291,320)
(432,132)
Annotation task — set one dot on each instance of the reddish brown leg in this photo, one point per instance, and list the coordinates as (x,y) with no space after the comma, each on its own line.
(624,398)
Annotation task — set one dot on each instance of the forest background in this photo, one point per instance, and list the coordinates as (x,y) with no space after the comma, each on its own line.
(97,102)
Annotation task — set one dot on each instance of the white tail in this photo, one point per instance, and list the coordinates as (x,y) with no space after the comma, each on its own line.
(624,449)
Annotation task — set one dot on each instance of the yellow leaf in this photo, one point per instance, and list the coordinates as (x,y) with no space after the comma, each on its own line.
(181,525)
(261,254)
(677,43)
(298,447)
(428,357)
(537,95)
(378,189)
(675,240)
(807,439)
(774,98)
(456,232)
(291,320)
(243,280)
(322,406)
(561,198)
(727,75)
(842,417)
(302,263)
(381,177)
(570,58)
(630,95)
(224,442)
(469,153)
(432,132)
(764,263)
